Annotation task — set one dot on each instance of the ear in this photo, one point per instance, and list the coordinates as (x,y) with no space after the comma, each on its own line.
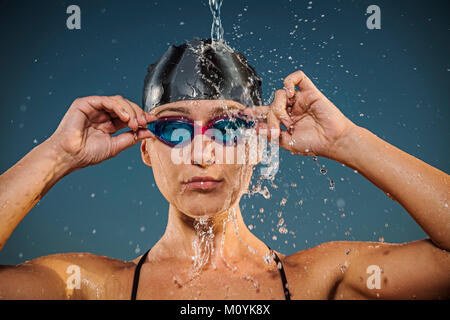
(144,154)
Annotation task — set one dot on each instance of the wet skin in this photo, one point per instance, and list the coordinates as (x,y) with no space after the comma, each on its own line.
(334,270)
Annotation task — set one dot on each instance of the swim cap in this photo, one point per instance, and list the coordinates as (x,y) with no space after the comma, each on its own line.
(201,70)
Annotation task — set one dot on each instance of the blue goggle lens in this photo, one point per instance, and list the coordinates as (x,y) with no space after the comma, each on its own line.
(174,132)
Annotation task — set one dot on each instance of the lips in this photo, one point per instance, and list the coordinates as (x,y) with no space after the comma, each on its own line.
(203,183)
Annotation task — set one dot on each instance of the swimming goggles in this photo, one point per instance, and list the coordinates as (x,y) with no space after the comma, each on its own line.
(178,131)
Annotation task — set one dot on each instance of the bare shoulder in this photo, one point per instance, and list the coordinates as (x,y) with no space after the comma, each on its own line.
(92,261)
(349,250)
(372,270)
(329,251)
(87,275)
(317,272)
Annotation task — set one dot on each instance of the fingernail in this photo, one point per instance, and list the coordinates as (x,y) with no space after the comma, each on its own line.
(124,113)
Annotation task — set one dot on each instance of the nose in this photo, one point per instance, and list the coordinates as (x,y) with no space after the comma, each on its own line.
(202,152)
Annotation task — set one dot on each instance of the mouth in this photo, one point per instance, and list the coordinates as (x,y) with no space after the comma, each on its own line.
(203,183)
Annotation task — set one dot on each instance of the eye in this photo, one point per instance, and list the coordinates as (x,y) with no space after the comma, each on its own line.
(230,128)
(175,132)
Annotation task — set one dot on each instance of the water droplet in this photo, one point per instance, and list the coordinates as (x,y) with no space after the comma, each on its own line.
(340,203)
(267,258)
(283,230)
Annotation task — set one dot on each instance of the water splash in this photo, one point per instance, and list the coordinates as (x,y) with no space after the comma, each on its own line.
(236,231)
(324,172)
(203,244)
(216,28)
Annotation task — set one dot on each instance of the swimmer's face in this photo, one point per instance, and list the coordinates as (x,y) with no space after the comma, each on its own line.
(199,159)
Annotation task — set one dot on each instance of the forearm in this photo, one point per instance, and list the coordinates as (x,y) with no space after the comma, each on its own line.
(24,184)
(420,188)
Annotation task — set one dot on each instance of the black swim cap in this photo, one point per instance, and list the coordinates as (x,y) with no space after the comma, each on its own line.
(201,70)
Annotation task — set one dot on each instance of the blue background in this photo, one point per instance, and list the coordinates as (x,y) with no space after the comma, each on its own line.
(393,81)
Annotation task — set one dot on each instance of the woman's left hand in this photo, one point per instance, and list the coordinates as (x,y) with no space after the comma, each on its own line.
(314,123)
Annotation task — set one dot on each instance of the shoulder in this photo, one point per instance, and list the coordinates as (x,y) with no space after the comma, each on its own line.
(92,276)
(361,270)
(82,259)
(323,268)
(346,249)
(329,251)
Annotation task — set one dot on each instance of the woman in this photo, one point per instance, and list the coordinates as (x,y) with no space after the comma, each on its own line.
(207,252)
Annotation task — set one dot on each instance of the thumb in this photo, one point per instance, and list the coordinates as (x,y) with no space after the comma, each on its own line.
(127,139)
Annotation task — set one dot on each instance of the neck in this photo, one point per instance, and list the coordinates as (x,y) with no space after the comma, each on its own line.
(219,241)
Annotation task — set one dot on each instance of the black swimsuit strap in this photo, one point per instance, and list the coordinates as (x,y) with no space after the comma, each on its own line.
(137,272)
(280,268)
(284,282)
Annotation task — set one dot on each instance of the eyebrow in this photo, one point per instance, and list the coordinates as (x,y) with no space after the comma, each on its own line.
(176,109)
(220,110)
(213,113)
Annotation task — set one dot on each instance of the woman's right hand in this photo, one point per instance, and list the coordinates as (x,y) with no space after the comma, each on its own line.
(84,134)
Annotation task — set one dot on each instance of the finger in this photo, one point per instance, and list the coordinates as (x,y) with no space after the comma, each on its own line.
(300,80)
(101,116)
(141,117)
(301,104)
(111,126)
(133,122)
(127,139)
(103,104)
(278,107)
(257,112)
(273,126)
(261,126)
(150,117)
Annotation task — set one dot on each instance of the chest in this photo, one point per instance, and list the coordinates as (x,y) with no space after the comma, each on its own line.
(167,282)
(220,284)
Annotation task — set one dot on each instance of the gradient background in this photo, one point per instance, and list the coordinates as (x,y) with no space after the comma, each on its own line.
(393,81)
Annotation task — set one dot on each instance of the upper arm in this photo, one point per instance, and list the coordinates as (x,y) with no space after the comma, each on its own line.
(30,281)
(414,270)
(59,276)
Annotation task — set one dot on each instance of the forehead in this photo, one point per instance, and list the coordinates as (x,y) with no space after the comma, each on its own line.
(199,107)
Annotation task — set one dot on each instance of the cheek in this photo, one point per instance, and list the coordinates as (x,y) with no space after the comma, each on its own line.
(164,170)
(238,177)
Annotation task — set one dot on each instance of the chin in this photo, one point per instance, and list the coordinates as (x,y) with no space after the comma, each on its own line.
(203,212)
(206,207)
